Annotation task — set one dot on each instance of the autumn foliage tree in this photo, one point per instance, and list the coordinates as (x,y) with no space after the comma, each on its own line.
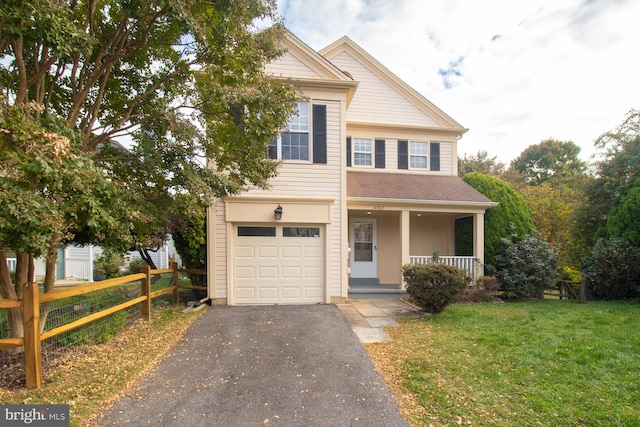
(177,81)
(552,179)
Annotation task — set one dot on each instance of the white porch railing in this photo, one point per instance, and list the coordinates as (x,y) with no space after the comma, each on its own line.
(467,263)
(11,263)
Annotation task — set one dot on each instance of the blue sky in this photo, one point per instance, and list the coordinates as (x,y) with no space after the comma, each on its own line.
(513,72)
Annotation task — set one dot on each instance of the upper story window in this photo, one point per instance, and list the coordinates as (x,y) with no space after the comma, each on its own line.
(418,152)
(419,155)
(294,142)
(362,152)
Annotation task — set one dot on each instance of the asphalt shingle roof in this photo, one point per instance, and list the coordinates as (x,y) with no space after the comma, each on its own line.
(412,187)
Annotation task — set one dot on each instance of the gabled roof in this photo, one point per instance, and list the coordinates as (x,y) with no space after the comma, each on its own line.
(413,187)
(314,69)
(345,44)
(313,59)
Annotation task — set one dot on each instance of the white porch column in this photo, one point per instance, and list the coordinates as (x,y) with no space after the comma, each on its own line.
(478,242)
(405,230)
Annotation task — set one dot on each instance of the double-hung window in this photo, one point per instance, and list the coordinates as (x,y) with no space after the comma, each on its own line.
(362,152)
(293,142)
(418,153)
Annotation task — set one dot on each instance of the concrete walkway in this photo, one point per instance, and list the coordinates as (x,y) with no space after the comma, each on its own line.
(368,317)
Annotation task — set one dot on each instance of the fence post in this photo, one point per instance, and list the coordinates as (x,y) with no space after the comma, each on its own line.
(174,282)
(583,290)
(32,348)
(145,289)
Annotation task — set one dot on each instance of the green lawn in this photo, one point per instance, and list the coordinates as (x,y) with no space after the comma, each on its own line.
(548,363)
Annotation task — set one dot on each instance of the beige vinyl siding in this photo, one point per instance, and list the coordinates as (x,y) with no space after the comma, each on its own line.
(220,290)
(290,66)
(305,179)
(435,235)
(391,155)
(446,158)
(377,102)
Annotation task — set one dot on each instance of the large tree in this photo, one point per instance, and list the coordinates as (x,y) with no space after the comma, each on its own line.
(176,81)
(552,210)
(624,218)
(481,163)
(549,161)
(49,186)
(616,172)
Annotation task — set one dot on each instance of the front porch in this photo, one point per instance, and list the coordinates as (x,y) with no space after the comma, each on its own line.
(371,288)
(395,219)
(383,239)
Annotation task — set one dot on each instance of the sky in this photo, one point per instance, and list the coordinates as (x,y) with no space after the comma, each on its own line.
(514,72)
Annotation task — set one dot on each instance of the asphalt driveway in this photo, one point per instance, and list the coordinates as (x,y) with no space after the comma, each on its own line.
(256,366)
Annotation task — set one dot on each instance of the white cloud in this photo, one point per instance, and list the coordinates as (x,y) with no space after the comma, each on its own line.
(519,72)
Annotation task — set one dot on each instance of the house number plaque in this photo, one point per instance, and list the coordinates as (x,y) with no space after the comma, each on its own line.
(378,207)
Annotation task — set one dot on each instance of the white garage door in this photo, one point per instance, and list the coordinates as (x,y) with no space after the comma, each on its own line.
(278,264)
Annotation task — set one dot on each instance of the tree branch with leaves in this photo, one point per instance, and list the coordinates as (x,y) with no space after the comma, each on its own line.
(168,78)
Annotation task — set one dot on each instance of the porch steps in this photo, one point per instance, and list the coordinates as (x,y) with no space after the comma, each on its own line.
(372,289)
(364,282)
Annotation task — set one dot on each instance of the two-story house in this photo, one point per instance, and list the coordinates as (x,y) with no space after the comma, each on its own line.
(368,182)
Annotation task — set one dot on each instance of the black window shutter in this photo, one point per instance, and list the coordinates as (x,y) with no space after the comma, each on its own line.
(272,152)
(434,151)
(403,154)
(237,113)
(380,144)
(348,151)
(319,134)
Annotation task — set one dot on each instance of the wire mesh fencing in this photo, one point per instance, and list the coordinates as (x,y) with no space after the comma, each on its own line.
(65,311)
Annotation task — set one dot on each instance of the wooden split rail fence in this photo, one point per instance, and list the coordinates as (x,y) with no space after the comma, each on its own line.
(30,305)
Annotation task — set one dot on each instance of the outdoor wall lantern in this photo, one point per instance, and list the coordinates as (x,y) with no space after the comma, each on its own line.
(277,212)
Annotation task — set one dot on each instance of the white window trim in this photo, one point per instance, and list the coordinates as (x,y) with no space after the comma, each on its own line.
(426,155)
(354,152)
(307,132)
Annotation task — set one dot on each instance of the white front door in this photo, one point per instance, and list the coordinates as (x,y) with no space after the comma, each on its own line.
(363,256)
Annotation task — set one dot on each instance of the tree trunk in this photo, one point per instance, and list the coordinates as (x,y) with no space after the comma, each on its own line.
(8,291)
(22,272)
(50,274)
(49,282)
(144,254)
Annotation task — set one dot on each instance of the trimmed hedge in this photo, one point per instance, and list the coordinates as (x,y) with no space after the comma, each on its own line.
(434,286)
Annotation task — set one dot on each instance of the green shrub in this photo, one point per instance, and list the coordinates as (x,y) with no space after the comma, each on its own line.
(526,266)
(109,264)
(136,265)
(434,286)
(483,291)
(488,283)
(613,269)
